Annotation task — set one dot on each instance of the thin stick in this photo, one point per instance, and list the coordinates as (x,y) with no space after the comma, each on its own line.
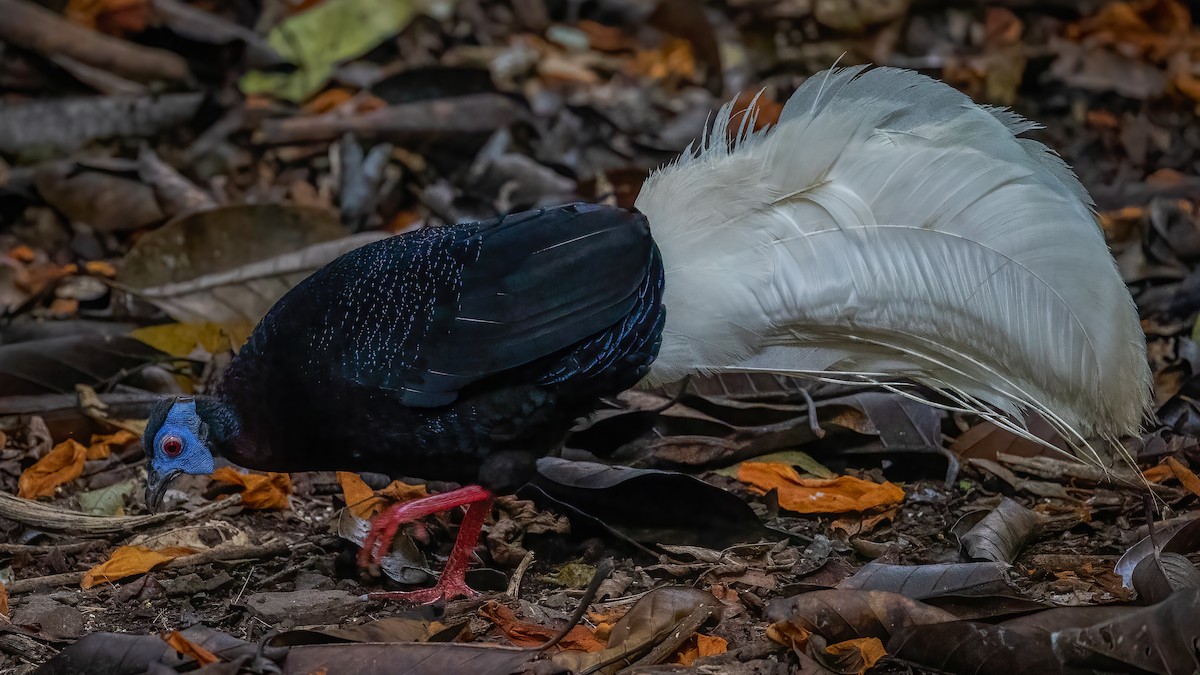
(514,586)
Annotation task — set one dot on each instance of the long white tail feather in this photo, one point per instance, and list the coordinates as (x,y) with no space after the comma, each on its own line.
(889,229)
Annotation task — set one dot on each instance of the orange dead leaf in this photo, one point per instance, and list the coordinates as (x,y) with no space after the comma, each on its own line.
(22,253)
(859,654)
(818,495)
(1167,177)
(789,634)
(184,646)
(525,634)
(605,38)
(1185,475)
(62,464)
(129,561)
(103,444)
(1159,473)
(112,17)
(63,307)
(260,491)
(364,503)
(327,100)
(100,268)
(331,99)
(3,600)
(1102,119)
(674,59)
(699,646)
(404,221)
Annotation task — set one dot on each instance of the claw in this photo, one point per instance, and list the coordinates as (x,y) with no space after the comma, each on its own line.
(452,583)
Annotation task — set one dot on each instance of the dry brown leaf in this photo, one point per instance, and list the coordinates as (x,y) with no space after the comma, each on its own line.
(23,253)
(199,654)
(337,97)
(61,465)
(1159,473)
(1185,475)
(853,526)
(789,635)
(64,464)
(103,444)
(112,17)
(605,38)
(525,634)
(674,59)
(259,490)
(860,654)
(699,646)
(129,561)
(818,495)
(365,503)
(63,307)
(3,600)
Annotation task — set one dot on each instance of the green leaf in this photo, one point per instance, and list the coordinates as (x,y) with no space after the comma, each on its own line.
(108,501)
(800,460)
(332,32)
(573,575)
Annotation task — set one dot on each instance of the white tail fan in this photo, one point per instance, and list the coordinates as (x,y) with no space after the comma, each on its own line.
(888,229)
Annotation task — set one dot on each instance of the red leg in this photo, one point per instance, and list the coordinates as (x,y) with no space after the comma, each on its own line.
(452,583)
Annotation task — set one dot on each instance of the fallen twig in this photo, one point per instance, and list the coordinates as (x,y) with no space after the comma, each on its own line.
(35,28)
(1058,469)
(54,519)
(417,121)
(69,123)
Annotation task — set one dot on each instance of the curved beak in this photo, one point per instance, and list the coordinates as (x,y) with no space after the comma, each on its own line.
(156,487)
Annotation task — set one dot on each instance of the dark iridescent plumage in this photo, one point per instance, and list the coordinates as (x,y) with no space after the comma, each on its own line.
(459,353)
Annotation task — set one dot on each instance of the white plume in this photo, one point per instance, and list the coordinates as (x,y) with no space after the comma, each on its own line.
(888,229)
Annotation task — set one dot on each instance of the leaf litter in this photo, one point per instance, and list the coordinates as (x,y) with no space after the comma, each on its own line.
(167,171)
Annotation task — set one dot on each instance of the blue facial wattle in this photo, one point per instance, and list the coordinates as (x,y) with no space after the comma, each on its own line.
(182,422)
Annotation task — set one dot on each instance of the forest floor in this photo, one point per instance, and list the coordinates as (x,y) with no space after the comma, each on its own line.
(164,162)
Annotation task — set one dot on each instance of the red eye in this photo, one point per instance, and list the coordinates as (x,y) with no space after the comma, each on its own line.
(172,446)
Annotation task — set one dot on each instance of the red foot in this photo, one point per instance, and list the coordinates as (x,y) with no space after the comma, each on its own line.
(452,583)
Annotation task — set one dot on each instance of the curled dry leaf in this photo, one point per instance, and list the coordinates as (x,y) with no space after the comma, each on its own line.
(526,634)
(839,615)
(653,620)
(1003,532)
(123,654)
(364,502)
(129,561)
(64,464)
(402,628)
(1156,577)
(186,647)
(921,582)
(1160,638)
(818,495)
(686,510)
(259,491)
(1182,536)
